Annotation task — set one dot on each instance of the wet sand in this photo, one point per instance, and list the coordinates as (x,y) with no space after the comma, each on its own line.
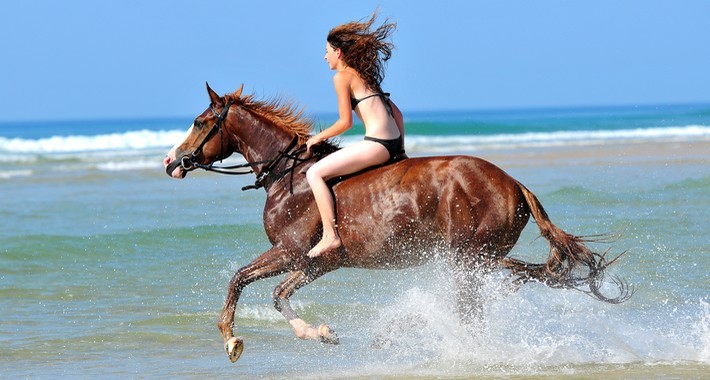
(649,153)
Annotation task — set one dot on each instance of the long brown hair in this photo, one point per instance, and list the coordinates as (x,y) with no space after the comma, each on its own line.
(364,49)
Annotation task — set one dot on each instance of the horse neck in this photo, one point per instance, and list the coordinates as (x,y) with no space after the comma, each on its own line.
(257,139)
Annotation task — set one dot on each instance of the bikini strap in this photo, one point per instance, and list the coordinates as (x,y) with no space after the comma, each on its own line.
(385,99)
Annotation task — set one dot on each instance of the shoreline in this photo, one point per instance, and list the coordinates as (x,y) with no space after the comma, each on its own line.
(650,153)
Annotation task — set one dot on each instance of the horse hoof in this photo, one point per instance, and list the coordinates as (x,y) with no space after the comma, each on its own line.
(327,335)
(234,348)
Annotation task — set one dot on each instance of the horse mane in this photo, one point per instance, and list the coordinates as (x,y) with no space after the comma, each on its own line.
(282,113)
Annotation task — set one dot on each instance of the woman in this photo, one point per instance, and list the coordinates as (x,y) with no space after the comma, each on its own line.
(357,54)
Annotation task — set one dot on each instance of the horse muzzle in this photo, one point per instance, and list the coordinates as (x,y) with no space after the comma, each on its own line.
(185,164)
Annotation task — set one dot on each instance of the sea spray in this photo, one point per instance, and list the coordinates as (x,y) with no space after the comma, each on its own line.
(533,330)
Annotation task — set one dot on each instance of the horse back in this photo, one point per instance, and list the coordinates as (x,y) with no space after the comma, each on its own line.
(402,212)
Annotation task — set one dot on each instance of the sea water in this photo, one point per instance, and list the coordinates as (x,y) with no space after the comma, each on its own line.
(110,268)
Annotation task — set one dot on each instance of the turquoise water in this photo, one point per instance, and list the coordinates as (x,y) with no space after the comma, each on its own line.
(109,268)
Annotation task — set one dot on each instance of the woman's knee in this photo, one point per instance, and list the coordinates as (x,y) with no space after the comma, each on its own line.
(313,174)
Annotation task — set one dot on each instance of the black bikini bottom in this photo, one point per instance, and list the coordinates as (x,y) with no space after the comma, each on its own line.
(393,146)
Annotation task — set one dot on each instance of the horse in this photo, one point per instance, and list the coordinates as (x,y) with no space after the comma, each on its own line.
(405,213)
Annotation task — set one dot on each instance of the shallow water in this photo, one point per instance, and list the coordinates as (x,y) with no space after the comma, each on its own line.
(122,273)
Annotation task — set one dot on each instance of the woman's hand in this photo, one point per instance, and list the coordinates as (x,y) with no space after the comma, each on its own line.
(313,140)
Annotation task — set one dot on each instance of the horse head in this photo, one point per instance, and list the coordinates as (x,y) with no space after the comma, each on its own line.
(205,142)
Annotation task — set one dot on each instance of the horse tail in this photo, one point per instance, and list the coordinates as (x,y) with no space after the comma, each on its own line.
(571,264)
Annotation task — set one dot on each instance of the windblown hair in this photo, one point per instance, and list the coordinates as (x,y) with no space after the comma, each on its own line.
(364,49)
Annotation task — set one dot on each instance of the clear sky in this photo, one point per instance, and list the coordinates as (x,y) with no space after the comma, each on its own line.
(87,59)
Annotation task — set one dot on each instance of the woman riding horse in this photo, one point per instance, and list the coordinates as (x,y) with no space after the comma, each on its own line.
(357,54)
(460,209)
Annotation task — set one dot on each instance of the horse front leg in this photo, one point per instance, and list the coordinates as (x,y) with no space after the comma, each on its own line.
(301,328)
(271,263)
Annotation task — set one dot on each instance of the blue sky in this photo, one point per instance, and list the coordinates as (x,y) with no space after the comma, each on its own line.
(65,60)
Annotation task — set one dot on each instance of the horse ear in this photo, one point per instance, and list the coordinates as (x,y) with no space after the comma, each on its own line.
(238,93)
(213,95)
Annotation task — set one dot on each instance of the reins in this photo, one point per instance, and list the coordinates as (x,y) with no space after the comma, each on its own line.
(291,153)
(287,154)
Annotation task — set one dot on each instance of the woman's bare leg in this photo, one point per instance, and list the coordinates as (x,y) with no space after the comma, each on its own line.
(345,161)
(326,207)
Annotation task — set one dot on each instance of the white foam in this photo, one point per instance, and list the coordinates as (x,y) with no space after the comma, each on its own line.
(147,140)
(15,173)
(532,329)
(129,165)
(264,312)
(133,140)
(703,330)
(144,149)
(444,144)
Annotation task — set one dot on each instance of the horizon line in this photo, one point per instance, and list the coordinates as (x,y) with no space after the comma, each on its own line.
(109,119)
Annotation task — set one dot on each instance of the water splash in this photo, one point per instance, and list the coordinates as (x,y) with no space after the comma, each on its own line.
(534,330)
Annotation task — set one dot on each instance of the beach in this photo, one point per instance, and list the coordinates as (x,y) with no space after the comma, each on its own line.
(108,268)
(626,153)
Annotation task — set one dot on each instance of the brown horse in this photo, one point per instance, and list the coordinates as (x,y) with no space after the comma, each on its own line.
(462,209)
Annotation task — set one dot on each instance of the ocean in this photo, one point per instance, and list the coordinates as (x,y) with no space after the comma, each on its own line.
(111,269)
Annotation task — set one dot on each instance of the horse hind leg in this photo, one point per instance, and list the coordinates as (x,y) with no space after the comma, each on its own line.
(471,266)
(469,281)
(301,328)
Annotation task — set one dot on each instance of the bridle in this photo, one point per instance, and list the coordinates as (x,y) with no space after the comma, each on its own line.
(190,162)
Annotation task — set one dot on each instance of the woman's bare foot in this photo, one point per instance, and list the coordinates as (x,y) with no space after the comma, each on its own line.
(327,243)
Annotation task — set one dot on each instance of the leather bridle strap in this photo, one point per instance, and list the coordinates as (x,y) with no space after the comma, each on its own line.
(191,161)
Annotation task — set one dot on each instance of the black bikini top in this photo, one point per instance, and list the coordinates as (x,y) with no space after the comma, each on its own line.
(385,98)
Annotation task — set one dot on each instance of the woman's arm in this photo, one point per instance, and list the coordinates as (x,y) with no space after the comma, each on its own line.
(341,81)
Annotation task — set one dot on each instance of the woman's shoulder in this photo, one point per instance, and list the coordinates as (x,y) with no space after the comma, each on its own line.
(345,79)
(345,75)
(349,78)
(341,78)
